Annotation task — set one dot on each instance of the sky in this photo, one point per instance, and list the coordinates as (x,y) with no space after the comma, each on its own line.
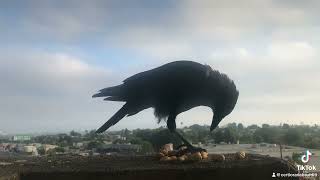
(55,54)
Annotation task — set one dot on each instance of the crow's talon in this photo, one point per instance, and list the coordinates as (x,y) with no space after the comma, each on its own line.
(185,149)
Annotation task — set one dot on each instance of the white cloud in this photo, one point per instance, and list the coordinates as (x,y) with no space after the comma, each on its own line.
(65,65)
(290,52)
(49,92)
(268,47)
(49,72)
(242,52)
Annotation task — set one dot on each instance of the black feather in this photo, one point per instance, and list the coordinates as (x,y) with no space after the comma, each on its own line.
(114,119)
(110,91)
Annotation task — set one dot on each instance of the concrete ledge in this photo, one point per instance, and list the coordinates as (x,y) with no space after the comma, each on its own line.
(141,167)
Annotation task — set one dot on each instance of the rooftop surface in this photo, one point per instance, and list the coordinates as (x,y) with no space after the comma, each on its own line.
(140,167)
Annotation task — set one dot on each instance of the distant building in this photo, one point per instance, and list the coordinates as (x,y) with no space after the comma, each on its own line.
(3,147)
(21,138)
(19,147)
(31,150)
(107,142)
(78,144)
(48,147)
(115,137)
(84,154)
(37,145)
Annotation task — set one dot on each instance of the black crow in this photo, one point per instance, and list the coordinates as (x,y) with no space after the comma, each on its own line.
(172,89)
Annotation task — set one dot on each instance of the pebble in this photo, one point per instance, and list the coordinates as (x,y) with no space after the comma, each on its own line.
(204,155)
(218,157)
(173,158)
(195,156)
(181,158)
(165,149)
(165,158)
(241,155)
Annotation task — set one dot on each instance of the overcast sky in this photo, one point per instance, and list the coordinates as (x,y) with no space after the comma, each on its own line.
(54,55)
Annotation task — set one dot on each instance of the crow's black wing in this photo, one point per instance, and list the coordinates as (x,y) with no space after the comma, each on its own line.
(168,70)
(145,89)
(173,76)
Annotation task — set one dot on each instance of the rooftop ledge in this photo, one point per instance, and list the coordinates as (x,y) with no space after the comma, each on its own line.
(140,167)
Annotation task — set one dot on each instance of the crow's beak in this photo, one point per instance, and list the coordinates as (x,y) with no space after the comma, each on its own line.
(215,122)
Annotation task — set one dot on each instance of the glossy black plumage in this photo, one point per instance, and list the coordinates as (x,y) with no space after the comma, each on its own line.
(172,89)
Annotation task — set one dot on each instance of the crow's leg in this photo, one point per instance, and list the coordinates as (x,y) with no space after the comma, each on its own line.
(186,143)
(189,147)
(171,123)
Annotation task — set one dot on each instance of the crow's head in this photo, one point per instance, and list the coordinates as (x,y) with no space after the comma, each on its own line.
(223,94)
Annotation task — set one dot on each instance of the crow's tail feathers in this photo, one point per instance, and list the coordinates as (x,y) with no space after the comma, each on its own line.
(114,119)
(110,91)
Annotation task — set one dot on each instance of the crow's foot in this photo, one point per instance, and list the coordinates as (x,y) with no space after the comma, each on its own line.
(185,149)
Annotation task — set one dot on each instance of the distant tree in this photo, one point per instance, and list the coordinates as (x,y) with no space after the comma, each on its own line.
(94,144)
(240,127)
(119,141)
(91,135)
(126,133)
(146,147)
(230,135)
(246,138)
(294,136)
(269,134)
(135,140)
(257,138)
(218,135)
(232,125)
(197,133)
(197,128)
(64,140)
(145,134)
(75,134)
(253,126)
(41,150)
(46,139)
(59,149)
(285,126)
